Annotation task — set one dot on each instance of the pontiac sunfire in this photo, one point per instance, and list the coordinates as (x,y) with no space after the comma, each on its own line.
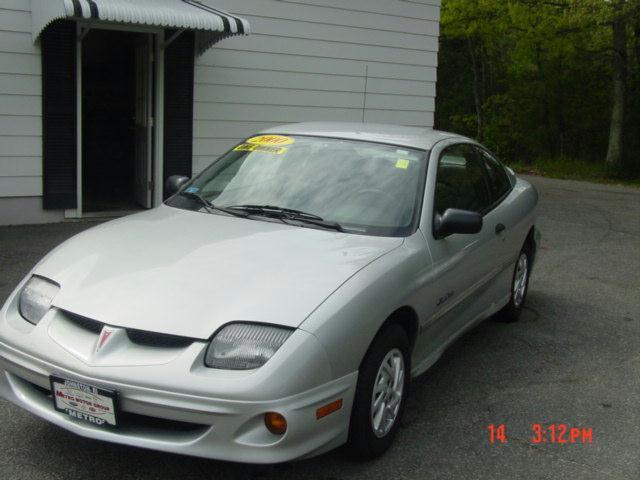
(277,305)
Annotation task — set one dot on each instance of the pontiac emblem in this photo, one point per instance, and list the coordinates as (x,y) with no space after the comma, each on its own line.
(105,334)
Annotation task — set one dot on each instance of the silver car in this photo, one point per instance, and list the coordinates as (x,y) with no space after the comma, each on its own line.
(279,303)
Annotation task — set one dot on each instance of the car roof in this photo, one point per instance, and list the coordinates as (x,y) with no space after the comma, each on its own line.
(414,137)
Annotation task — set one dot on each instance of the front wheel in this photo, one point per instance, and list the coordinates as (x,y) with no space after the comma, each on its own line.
(519,287)
(380,394)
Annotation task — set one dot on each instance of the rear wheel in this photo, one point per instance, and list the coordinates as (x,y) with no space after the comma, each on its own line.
(380,394)
(519,287)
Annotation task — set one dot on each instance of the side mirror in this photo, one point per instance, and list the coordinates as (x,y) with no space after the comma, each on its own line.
(175,183)
(456,221)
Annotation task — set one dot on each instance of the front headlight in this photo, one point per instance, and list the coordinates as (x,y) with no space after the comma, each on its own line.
(36,298)
(245,346)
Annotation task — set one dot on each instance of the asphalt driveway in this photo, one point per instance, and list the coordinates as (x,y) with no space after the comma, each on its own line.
(573,359)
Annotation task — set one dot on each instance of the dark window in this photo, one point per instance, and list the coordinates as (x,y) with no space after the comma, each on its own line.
(461,181)
(496,174)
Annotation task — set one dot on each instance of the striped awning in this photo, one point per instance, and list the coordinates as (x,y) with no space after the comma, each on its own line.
(211,23)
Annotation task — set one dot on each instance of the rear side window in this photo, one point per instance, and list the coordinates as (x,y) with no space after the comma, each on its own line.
(496,175)
(461,181)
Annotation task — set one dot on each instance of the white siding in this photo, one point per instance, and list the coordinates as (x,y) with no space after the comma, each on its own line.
(306,60)
(20,103)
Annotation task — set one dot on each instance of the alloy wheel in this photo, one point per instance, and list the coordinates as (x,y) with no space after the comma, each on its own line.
(387,393)
(520,280)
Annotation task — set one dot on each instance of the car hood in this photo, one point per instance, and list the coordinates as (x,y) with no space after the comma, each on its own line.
(187,273)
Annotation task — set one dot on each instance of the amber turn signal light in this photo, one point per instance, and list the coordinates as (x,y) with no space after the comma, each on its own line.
(275,423)
(329,408)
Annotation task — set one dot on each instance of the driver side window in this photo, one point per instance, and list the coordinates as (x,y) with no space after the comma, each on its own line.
(461,182)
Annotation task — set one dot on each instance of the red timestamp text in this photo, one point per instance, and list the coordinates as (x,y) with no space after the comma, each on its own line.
(554,433)
(560,433)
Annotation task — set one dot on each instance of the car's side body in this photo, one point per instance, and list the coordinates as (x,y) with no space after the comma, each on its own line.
(437,289)
(193,273)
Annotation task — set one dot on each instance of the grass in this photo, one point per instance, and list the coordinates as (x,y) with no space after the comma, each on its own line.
(574,169)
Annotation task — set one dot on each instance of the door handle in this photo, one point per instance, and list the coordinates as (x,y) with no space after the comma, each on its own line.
(500,228)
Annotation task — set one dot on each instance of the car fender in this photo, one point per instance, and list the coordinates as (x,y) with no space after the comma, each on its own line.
(347,322)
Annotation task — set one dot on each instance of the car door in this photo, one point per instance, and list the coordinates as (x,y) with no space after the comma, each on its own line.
(503,218)
(461,263)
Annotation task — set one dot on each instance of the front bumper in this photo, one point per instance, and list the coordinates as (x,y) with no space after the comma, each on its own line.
(203,427)
(177,405)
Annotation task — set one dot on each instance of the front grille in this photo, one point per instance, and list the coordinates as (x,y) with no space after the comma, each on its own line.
(139,337)
(84,323)
(160,340)
(136,420)
(42,390)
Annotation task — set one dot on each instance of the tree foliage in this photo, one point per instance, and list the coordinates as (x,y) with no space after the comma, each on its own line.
(535,78)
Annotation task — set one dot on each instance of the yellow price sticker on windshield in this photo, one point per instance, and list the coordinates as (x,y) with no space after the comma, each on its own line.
(402,163)
(271,141)
(247,147)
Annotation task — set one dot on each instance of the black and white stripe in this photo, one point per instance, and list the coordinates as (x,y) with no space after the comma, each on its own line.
(93,8)
(77,8)
(226,18)
(82,6)
(88,9)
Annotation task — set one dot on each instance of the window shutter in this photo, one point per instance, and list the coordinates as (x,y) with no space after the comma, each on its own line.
(178,105)
(59,143)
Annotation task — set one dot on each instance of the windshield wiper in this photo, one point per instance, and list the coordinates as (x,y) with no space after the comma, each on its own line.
(287,214)
(210,207)
(271,209)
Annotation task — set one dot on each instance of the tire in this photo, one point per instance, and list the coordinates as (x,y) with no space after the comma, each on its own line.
(390,347)
(511,312)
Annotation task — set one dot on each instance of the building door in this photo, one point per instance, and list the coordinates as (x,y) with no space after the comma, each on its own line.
(117,122)
(117,115)
(144,121)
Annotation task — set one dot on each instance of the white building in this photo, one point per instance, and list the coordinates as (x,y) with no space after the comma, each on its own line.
(101,100)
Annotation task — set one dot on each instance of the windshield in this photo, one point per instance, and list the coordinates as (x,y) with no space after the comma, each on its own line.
(364,187)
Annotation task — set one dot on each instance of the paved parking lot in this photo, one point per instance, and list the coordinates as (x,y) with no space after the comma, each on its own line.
(573,359)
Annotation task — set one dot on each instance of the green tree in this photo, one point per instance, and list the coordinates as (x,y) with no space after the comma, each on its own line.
(543,79)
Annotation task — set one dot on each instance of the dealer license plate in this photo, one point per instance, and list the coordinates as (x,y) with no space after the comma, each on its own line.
(87,403)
